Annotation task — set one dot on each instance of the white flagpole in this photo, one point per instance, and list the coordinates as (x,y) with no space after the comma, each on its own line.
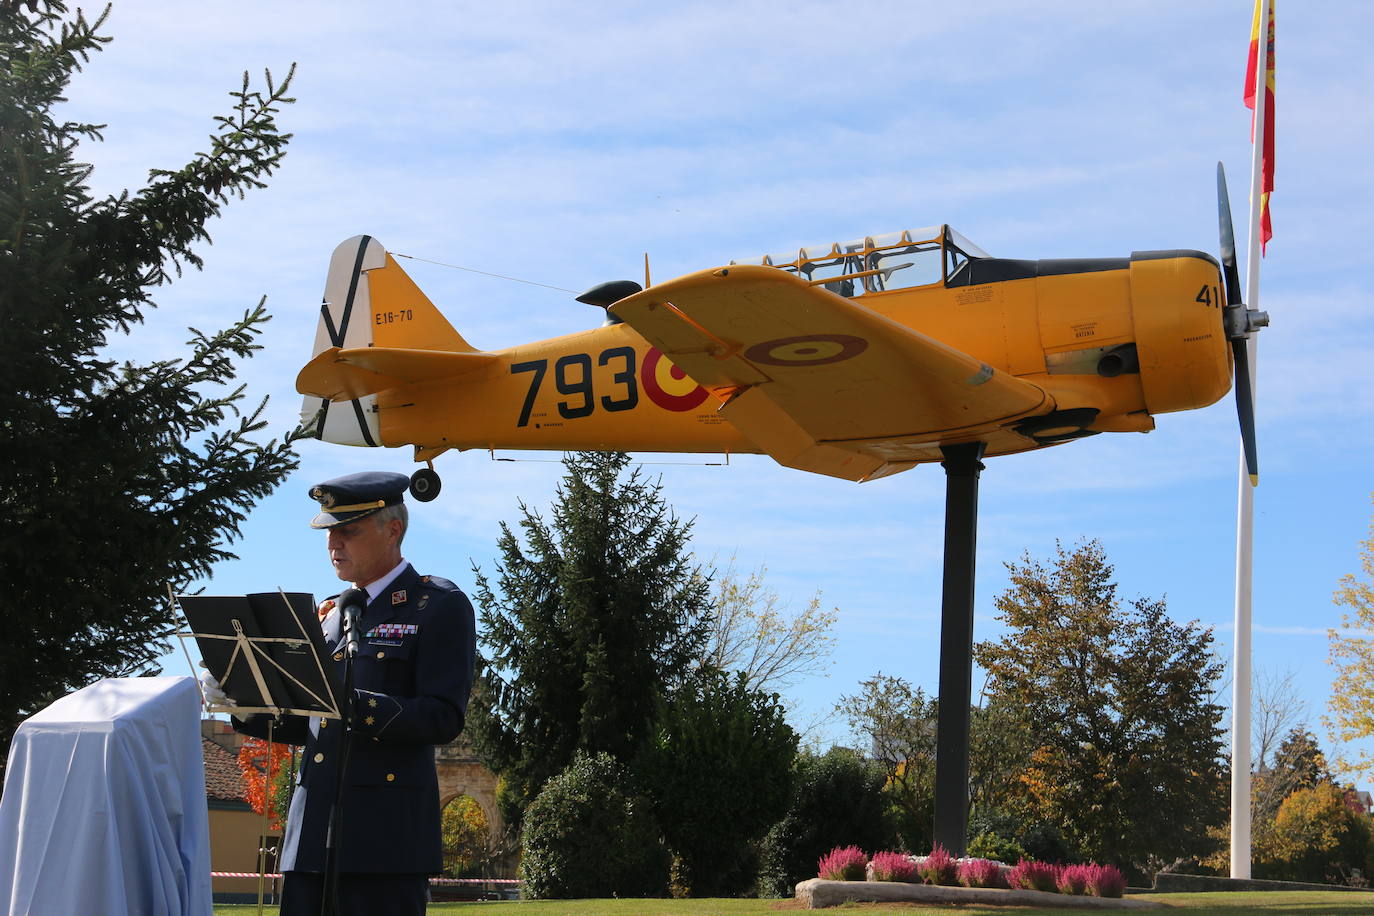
(1245,512)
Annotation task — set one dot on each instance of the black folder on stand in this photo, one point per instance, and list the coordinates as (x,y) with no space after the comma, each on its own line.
(266,650)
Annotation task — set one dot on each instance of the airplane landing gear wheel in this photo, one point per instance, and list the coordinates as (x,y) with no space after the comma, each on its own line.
(424,485)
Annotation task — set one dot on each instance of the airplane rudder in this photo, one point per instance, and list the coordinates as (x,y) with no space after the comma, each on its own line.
(345,323)
(344,308)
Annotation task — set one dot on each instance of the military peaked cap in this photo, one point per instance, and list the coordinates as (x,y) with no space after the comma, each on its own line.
(354,496)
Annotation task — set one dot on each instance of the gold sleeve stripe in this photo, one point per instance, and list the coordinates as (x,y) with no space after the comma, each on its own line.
(356,507)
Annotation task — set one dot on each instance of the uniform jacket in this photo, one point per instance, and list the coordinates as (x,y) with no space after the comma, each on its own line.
(412,676)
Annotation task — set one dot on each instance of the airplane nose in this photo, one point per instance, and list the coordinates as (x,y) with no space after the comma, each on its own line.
(1176,307)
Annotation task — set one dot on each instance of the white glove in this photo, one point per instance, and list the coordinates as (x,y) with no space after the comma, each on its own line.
(214,694)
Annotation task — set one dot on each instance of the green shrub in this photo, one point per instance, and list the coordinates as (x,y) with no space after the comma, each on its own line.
(913,814)
(991,846)
(589,834)
(837,800)
(718,767)
(1046,843)
(1017,838)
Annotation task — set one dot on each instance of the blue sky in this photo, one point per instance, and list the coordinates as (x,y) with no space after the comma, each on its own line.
(557,144)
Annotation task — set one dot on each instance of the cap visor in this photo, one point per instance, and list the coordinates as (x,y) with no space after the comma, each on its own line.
(334,519)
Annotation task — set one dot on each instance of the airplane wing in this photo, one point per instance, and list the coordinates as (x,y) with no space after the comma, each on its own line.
(343,374)
(821,382)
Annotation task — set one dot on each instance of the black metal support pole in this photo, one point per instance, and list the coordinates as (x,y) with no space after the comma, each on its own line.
(329,899)
(962,465)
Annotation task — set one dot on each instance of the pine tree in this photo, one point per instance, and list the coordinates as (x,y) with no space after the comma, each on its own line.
(118,480)
(1301,762)
(1119,705)
(592,621)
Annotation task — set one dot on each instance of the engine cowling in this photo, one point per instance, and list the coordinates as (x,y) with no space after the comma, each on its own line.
(1177,300)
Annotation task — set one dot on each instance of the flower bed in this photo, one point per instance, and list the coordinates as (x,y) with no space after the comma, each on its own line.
(849,863)
(1105,881)
(843,863)
(1073,879)
(892,866)
(981,873)
(939,868)
(1034,876)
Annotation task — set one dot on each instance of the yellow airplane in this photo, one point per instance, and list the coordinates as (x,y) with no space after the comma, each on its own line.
(856,360)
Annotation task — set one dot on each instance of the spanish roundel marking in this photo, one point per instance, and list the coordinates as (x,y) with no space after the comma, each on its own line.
(667,385)
(807,350)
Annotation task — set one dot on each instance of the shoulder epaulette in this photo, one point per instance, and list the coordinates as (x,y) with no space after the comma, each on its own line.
(438,582)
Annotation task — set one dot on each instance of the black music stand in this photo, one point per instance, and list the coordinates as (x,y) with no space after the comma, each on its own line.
(266,650)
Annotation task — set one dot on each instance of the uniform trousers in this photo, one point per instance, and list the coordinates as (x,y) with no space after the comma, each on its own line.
(359,895)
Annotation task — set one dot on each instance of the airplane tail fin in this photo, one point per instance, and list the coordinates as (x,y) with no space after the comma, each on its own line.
(371,304)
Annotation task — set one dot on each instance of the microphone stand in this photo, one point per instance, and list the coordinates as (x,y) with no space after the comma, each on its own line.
(329,900)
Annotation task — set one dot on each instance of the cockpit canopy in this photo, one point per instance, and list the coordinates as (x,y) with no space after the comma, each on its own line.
(879,263)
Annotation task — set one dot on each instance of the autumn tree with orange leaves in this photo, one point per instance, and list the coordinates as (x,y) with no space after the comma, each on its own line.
(256,758)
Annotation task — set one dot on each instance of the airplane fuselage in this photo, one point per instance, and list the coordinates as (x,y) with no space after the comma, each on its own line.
(1109,342)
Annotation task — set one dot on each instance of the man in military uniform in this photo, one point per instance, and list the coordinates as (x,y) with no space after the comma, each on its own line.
(412,675)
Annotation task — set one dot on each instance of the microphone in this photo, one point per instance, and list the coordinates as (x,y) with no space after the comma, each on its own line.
(352,604)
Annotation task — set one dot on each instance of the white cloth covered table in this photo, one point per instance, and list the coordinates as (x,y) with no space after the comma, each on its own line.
(104,806)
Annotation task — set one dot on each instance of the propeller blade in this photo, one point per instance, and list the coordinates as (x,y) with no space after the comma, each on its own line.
(1245,408)
(1240,350)
(1228,240)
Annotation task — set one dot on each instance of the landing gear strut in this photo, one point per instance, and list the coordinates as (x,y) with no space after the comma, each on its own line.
(425,484)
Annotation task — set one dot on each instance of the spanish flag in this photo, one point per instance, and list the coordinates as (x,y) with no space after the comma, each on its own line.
(1251,78)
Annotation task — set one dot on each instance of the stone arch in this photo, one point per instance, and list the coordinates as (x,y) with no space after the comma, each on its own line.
(468,845)
(461,773)
(488,810)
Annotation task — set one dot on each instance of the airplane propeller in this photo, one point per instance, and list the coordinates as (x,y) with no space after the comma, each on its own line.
(1239,322)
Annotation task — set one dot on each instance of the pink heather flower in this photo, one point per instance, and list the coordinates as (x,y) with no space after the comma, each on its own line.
(1034,876)
(1073,879)
(980,873)
(939,867)
(893,866)
(1105,880)
(843,863)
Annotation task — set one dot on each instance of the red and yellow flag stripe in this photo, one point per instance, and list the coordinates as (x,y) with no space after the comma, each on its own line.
(1251,81)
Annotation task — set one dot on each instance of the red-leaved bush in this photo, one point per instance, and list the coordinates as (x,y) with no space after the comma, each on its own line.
(939,868)
(1073,879)
(1105,880)
(255,756)
(893,866)
(843,863)
(1034,876)
(980,873)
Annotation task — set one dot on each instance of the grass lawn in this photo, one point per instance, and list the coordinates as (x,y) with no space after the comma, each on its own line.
(1302,903)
